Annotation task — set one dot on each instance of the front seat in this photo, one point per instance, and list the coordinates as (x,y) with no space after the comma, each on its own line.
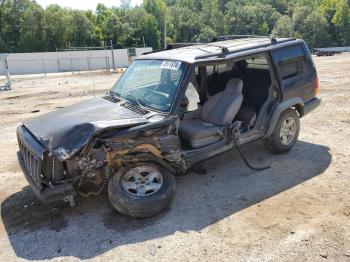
(204,126)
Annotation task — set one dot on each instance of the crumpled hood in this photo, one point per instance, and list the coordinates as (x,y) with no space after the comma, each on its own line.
(67,130)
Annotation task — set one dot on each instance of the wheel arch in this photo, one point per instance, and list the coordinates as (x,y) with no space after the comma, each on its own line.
(295,102)
(140,154)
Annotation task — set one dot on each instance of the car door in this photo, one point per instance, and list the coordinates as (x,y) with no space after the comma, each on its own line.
(296,72)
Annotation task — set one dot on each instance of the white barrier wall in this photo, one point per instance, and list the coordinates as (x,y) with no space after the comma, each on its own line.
(67,61)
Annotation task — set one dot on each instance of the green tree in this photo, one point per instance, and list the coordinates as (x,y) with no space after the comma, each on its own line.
(25,26)
(112,28)
(32,30)
(6,21)
(315,30)
(255,18)
(11,17)
(80,29)
(341,21)
(57,27)
(187,24)
(144,27)
(328,8)
(102,14)
(212,18)
(283,27)
(159,10)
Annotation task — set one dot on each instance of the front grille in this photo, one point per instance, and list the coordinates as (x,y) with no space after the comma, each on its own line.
(135,108)
(31,161)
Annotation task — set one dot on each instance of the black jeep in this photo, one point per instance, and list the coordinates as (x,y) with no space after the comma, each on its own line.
(168,111)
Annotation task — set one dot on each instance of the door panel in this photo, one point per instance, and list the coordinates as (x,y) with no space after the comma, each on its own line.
(296,72)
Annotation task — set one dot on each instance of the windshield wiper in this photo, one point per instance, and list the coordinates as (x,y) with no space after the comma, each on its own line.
(135,100)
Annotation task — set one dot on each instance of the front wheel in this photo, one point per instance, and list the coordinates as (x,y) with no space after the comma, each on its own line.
(142,190)
(286,132)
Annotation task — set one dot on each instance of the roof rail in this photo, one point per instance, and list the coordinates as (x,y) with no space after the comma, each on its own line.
(174,46)
(230,37)
(225,51)
(178,45)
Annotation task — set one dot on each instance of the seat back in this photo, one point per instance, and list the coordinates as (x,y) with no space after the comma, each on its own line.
(222,108)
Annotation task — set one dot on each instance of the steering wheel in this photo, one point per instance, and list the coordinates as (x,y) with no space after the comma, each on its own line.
(157,97)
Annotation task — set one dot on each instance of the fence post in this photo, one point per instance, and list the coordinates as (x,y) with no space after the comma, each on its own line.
(71,59)
(43,63)
(108,67)
(113,64)
(7,86)
(88,61)
(58,61)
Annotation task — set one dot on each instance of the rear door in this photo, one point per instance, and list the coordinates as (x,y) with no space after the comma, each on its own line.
(297,73)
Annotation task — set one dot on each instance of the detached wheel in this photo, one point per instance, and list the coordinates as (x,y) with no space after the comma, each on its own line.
(286,132)
(142,190)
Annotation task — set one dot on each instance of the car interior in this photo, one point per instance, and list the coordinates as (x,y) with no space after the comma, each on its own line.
(221,94)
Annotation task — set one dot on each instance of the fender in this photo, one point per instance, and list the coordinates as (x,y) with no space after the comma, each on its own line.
(295,101)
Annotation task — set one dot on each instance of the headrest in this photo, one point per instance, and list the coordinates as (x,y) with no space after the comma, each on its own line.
(234,85)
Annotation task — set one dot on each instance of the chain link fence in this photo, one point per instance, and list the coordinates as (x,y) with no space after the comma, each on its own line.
(68,61)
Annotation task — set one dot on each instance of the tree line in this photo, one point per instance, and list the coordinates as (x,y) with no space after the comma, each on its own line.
(25,26)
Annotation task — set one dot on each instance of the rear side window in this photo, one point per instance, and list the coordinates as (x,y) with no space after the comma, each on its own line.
(291,62)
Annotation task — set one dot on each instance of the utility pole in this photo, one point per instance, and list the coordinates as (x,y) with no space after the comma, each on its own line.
(144,44)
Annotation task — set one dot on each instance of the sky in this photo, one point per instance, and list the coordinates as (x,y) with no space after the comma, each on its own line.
(84,4)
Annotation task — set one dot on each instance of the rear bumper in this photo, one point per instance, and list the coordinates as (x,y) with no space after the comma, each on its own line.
(311,105)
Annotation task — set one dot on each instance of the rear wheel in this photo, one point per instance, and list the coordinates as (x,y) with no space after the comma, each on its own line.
(142,190)
(286,132)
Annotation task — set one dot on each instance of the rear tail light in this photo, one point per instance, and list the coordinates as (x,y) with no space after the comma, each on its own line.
(316,86)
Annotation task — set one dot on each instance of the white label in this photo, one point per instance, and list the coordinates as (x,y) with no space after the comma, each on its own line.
(172,65)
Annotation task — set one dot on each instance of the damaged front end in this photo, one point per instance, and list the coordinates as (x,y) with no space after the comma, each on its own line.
(110,151)
(40,169)
(58,174)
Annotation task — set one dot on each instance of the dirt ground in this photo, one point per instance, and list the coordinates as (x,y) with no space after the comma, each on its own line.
(299,210)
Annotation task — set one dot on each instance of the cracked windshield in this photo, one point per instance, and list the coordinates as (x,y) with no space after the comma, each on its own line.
(150,83)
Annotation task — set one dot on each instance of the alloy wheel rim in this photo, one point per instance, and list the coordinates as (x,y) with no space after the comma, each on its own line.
(288,131)
(142,181)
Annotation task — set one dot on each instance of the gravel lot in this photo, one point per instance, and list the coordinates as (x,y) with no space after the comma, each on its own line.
(298,210)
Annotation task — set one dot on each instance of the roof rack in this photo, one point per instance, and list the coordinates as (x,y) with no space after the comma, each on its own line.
(213,40)
(225,51)
(261,41)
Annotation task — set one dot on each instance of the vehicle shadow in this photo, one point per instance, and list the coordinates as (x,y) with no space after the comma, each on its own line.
(220,188)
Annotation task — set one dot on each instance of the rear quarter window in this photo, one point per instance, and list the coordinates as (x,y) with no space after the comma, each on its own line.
(291,62)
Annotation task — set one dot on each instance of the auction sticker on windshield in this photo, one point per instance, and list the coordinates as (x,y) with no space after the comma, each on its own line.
(172,65)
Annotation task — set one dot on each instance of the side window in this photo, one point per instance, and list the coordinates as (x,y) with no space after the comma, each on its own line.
(292,67)
(291,62)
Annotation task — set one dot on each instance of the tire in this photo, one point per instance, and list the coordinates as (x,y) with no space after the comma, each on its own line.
(132,200)
(281,141)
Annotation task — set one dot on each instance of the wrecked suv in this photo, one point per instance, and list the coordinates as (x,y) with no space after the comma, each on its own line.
(169,110)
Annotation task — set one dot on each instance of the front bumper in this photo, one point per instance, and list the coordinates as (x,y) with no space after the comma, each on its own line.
(47,194)
(30,157)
